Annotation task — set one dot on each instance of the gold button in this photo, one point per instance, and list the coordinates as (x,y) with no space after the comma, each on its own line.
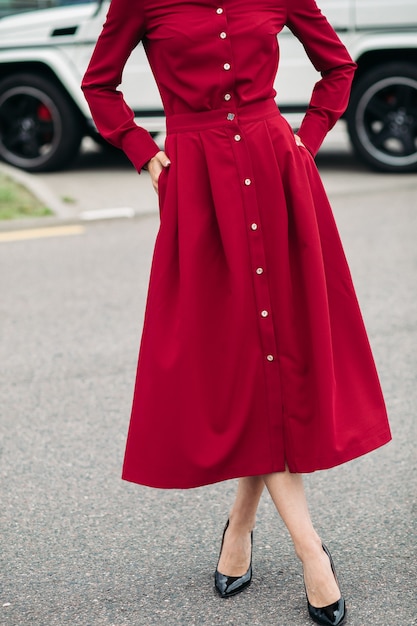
(223,35)
(219,11)
(237,138)
(248,182)
(264,313)
(270,357)
(259,270)
(227,96)
(254,226)
(227,66)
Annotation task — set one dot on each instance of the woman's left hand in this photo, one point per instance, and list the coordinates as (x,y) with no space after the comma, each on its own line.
(298,141)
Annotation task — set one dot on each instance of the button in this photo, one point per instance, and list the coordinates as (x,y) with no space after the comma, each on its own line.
(259,270)
(227,96)
(264,313)
(237,137)
(254,226)
(223,35)
(248,182)
(230,116)
(227,66)
(269,357)
(219,11)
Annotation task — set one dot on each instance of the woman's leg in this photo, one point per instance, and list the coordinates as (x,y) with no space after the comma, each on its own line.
(287,492)
(236,551)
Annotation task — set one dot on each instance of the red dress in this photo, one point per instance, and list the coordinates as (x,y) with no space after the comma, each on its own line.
(253,354)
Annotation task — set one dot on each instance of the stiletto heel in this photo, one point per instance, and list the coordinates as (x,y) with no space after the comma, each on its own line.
(333,614)
(227,586)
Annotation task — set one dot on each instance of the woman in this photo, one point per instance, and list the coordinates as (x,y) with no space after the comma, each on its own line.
(254,361)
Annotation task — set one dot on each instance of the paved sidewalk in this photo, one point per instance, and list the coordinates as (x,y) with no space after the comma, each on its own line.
(81,196)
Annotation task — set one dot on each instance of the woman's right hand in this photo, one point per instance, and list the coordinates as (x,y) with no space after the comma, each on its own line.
(155,167)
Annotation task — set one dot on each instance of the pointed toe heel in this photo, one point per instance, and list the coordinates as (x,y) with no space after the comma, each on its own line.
(333,614)
(227,586)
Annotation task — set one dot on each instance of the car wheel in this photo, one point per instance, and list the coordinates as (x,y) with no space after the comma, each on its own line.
(382,117)
(39,128)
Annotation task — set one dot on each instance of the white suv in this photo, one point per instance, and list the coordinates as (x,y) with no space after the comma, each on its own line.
(45,46)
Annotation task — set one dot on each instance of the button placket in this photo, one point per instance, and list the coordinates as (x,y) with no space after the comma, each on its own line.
(226,65)
(256,246)
(261,291)
(268,339)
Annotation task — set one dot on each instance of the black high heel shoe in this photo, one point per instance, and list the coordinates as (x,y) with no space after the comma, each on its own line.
(227,586)
(333,614)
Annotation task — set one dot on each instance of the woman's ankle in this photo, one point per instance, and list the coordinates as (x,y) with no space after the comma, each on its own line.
(308,547)
(240,522)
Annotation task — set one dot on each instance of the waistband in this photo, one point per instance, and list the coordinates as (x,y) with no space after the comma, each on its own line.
(200,120)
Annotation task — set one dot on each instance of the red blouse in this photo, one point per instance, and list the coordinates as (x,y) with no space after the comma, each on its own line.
(199,68)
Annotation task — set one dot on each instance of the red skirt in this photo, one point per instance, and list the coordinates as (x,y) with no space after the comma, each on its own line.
(254,355)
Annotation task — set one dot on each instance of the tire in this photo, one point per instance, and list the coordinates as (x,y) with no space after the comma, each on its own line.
(382,117)
(40,129)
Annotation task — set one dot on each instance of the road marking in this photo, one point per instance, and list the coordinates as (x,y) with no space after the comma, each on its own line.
(40,233)
(108,214)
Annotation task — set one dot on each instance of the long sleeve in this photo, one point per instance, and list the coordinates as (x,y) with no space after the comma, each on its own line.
(122,31)
(329,56)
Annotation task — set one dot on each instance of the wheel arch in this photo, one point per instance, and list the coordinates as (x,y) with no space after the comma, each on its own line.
(49,149)
(52,72)
(388,66)
(374,58)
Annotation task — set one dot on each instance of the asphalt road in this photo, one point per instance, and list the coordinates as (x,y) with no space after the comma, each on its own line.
(82,548)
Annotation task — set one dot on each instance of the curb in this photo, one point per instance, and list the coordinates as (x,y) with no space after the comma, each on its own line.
(63,215)
(39,189)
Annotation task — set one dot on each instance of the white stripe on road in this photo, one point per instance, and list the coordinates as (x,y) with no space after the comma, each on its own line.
(108,214)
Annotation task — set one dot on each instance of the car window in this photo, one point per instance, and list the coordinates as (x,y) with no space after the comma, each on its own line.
(10,7)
